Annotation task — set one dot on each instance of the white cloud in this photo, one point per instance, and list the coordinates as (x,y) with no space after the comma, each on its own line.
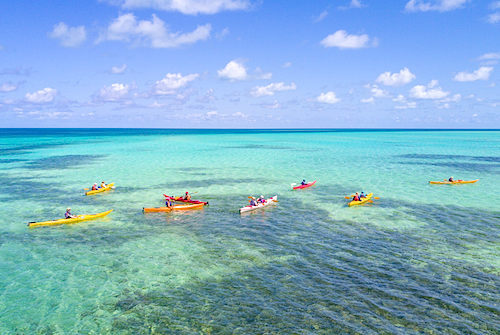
(378,92)
(69,36)
(119,69)
(408,105)
(328,98)
(494,18)
(172,82)
(434,5)
(114,92)
(287,65)
(483,73)
(7,87)
(431,91)
(321,16)
(396,79)
(223,33)
(127,28)
(342,40)
(233,70)
(368,100)
(191,7)
(490,56)
(240,115)
(399,98)
(495,5)
(353,4)
(270,89)
(259,74)
(42,96)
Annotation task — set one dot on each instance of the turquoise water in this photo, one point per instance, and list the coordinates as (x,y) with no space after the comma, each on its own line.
(422,259)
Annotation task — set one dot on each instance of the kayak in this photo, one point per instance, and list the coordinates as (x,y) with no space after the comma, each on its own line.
(304,186)
(454,182)
(364,200)
(268,202)
(180,199)
(79,218)
(174,208)
(107,188)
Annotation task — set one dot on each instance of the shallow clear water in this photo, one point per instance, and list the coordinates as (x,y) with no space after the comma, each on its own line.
(422,259)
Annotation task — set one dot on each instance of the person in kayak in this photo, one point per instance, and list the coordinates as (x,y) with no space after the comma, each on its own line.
(303,182)
(356,197)
(187,196)
(253,202)
(362,195)
(261,200)
(451,180)
(94,187)
(68,214)
(103,185)
(168,202)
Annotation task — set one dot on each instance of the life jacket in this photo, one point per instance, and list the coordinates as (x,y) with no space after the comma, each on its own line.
(356,198)
(94,187)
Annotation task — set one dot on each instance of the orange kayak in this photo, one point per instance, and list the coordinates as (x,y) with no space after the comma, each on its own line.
(174,208)
(454,182)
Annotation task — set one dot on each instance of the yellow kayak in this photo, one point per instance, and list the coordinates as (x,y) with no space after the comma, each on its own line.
(454,182)
(79,218)
(364,200)
(107,188)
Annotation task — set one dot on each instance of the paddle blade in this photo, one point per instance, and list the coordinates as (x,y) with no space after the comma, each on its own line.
(376,198)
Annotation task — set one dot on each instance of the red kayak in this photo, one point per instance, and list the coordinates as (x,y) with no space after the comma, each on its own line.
(304,186)
(180,199)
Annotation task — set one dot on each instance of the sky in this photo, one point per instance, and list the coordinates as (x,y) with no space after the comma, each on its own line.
(250,64)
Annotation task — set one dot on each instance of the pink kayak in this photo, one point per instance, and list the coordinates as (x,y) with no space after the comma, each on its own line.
(304,186)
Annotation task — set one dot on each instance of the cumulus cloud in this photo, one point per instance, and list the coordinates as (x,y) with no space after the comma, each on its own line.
(368,100)
(328,98)
(434,5)
(378,92)
(114,92)
(342,40)
(396,79)
(119,69)
(154,33)
(431,91)
(483,73)
(7,87)
(233,70)
(190,7)
(407,105)
(42,96)
(270,89)
(172,82)
(69,36)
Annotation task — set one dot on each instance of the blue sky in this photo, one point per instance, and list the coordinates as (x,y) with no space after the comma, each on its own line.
(250,64)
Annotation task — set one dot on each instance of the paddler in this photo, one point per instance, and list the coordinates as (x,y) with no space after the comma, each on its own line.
(103,184)
(451,180)
(187,196)
(168,202)
(362,195)
(303,182)
(356,197)
(262,200)
(68,214)
(253,202)
(94,187)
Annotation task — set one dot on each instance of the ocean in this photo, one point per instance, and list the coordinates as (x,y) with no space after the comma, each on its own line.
(420,259)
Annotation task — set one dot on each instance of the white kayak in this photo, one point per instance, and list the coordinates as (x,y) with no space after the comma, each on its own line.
(268,202)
